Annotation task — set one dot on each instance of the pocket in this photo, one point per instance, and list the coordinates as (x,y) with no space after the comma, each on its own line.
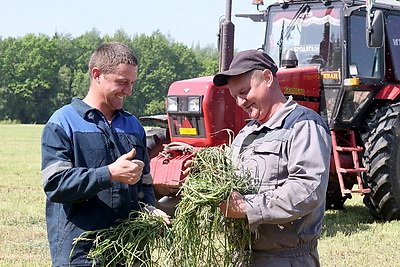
(276,237)
(263,164)
(268,148)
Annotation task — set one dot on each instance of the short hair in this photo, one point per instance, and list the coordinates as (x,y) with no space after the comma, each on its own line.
(257,75)
(109,55)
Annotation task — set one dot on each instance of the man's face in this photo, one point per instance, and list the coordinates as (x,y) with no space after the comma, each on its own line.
(251,95)
(116,86)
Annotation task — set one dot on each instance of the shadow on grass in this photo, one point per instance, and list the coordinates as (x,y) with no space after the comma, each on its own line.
(352,219)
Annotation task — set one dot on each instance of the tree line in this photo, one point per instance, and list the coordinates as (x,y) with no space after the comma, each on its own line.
(40,73)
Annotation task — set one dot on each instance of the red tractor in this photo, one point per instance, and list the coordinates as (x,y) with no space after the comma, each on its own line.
(341,58)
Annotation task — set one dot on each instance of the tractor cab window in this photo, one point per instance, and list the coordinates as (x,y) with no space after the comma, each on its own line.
(312,32)
(393,37)
(364,62)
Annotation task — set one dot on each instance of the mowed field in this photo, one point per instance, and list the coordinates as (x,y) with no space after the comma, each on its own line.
(23,239)
(350,237)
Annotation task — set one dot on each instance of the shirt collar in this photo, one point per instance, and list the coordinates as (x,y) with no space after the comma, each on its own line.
(277,119)
(84,109)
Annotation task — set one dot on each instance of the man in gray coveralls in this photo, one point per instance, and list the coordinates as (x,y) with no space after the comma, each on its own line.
(286,149)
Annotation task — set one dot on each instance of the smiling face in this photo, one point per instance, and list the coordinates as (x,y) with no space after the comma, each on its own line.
(111,89)
(252,93)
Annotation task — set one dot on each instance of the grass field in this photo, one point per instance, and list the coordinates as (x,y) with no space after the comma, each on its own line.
(350,237)
(23,240)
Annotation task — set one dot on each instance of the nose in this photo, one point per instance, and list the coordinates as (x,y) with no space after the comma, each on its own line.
(240,101)
(127,90)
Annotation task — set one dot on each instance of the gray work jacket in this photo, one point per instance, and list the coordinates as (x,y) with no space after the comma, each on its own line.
(288,160)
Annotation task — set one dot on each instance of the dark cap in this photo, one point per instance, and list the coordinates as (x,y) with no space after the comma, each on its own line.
(246,61)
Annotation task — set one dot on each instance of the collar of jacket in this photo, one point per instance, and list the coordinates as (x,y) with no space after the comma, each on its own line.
(277,119)
(84,109)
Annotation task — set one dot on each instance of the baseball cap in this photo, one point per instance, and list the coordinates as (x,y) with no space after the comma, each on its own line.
(246,61)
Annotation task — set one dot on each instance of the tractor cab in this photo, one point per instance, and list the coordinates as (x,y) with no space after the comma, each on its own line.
(352,44)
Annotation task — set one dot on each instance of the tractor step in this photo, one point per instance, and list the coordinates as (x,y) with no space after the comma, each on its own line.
(347,145)
(359,170)
(349,149)
(359,191)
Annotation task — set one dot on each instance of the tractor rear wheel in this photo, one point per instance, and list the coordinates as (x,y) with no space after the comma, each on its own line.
(382,160)
(155,138)
(334,198)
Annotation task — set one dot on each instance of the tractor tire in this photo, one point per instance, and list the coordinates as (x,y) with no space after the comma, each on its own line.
(334,198)
(155,139)
(382,160)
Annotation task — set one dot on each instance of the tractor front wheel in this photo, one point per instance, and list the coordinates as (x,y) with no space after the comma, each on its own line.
(382,160)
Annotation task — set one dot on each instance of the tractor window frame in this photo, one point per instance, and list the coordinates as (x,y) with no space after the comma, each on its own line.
(316,39)
(393,40)
(369,62)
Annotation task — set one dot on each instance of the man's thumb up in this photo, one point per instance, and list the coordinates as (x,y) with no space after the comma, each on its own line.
(130,154)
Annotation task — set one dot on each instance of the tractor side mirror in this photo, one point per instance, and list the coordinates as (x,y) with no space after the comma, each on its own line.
(375,29)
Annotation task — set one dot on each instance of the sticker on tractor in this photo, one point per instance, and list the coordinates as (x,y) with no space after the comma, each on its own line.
(330,77)
(188,131)
(294,91)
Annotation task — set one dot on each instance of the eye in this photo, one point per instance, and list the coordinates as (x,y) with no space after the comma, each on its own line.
(122,82)
(245,91)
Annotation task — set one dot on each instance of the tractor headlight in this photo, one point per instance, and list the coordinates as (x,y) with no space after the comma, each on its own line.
(194,104)
(172,104)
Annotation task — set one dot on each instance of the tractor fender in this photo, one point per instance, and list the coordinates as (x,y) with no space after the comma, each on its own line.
(388,92)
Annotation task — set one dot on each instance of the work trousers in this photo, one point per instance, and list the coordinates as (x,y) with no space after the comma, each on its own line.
(305,255)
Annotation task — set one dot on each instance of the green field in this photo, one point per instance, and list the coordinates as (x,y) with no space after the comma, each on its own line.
(350,237)
(23,240)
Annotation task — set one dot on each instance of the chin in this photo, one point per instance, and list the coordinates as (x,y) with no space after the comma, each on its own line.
(254,116)
(118,106)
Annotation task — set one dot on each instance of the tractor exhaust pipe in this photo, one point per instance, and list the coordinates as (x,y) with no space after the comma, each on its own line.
(227,30)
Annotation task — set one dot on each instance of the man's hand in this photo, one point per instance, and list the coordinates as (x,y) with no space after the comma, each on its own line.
(157,212)
(189,164)
(188,167)
(126,170)
(235,207)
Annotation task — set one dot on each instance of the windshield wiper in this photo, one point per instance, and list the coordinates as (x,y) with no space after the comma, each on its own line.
(285,34)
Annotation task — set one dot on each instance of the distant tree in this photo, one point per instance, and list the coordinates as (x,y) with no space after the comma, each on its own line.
(28,66)
(39,74)
(84,46)
(67,54)
(119,36)
(80,51)
(80,84)
(63,85)
(161,62)
(209,58)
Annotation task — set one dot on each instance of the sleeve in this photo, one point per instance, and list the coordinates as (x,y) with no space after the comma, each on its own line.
(304,189)
(62,181)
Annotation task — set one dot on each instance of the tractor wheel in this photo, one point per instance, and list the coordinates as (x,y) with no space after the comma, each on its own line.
(334,198)
(382,160)
(155,138)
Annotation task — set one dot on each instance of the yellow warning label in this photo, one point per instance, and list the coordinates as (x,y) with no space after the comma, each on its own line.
(188,131)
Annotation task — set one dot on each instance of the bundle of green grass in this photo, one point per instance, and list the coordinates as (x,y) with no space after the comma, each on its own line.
(200,234)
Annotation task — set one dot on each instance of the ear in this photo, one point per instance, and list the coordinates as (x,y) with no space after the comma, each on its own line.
(95,73)
(268,77)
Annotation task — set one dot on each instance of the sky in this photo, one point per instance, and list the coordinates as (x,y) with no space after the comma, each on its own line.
(187,22)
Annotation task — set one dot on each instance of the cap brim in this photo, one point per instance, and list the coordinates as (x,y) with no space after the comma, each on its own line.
(221,79)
